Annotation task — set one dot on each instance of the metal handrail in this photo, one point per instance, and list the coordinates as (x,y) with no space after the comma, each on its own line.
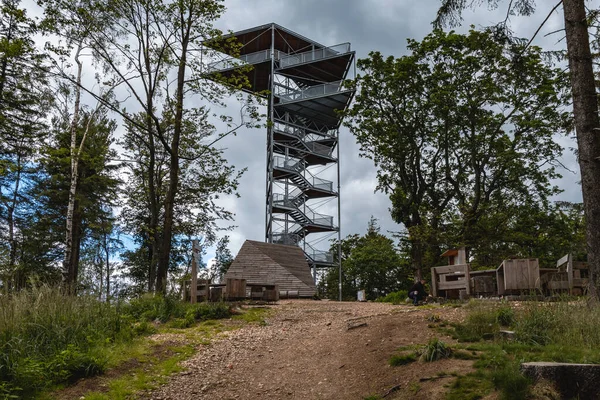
(298,166)
(318,255)
(308,138)
(251,58)
(314,55)
(286,238)
(313,217)
(287,94)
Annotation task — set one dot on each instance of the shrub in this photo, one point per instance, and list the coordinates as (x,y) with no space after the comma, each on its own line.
(205,311)
(398,297)
(511,383)
(435,350)
(505,316)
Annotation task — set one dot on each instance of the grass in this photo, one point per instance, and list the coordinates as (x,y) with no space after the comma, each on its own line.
(155,372)
(253,315)
(434,350)
(49,340)
(563,331)
(402,359)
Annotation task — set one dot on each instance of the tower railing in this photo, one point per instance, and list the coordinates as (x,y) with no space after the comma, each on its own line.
(308,138)
(250,58)
(287,94)
(299,167)
(314,55)
(318,256)
(311,216)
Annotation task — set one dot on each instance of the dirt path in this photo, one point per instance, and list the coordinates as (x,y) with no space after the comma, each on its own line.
(306,351)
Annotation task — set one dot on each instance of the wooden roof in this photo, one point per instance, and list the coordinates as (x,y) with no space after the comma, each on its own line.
(284,266)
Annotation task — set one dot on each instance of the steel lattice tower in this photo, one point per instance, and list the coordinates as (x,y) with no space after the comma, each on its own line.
(303,82)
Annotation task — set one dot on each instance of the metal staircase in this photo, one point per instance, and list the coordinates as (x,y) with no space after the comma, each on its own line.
(303,82)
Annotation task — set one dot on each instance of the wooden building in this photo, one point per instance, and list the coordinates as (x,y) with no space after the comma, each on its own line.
(516,276)
(450,280)
(275,264)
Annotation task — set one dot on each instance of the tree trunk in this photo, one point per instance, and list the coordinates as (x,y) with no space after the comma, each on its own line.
(587,126)
(107,255)
(167,233)
(76,244)
(67,273)
(11,220)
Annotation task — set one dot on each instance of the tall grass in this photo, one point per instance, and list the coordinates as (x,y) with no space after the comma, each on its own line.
(48,338)
(564,331)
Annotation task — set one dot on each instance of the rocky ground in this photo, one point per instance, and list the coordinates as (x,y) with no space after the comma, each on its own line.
(317,350)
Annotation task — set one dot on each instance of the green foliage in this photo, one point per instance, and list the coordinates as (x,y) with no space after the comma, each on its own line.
(479,323)
(511,383)
(434,350)
(151,307)
(371,263)
(48,338)
(473,386)
(505,316)
(564,331)
(402,359)
(398,297)
(536,325)
(458,129)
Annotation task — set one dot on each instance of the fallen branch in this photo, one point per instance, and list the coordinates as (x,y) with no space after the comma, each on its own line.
(433,378)
(392,390)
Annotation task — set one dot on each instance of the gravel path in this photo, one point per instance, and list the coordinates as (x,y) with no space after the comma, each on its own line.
(307,351)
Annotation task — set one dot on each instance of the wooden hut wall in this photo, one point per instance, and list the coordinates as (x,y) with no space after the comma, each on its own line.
(518,275)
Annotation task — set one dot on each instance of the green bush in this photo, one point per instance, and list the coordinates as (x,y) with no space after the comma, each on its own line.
(511,383)
(435,350)
(398,297)
(505,316)
(164,308)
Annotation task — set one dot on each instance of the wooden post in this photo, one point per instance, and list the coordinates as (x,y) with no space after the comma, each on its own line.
(434,283)
(194,284)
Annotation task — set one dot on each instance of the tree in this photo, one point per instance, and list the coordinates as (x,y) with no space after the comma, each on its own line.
(154,50)
(223,256)
(459,129)
(96,189)
(371,263)
(585,109)
(23,101)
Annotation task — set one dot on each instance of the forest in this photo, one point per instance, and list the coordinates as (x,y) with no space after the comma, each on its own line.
(108,144)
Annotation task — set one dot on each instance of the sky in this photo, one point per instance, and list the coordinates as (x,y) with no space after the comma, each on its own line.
(382,25)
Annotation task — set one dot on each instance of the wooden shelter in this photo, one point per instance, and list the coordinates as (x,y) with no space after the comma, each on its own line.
(262,263)
(518,275)
(569,275)
(450,280)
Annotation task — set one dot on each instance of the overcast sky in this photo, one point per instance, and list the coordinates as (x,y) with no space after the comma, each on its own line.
(382,25)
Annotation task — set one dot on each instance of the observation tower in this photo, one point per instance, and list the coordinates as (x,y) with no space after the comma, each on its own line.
(302,81)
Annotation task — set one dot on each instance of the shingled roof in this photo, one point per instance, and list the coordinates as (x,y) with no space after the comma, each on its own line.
(284,266)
